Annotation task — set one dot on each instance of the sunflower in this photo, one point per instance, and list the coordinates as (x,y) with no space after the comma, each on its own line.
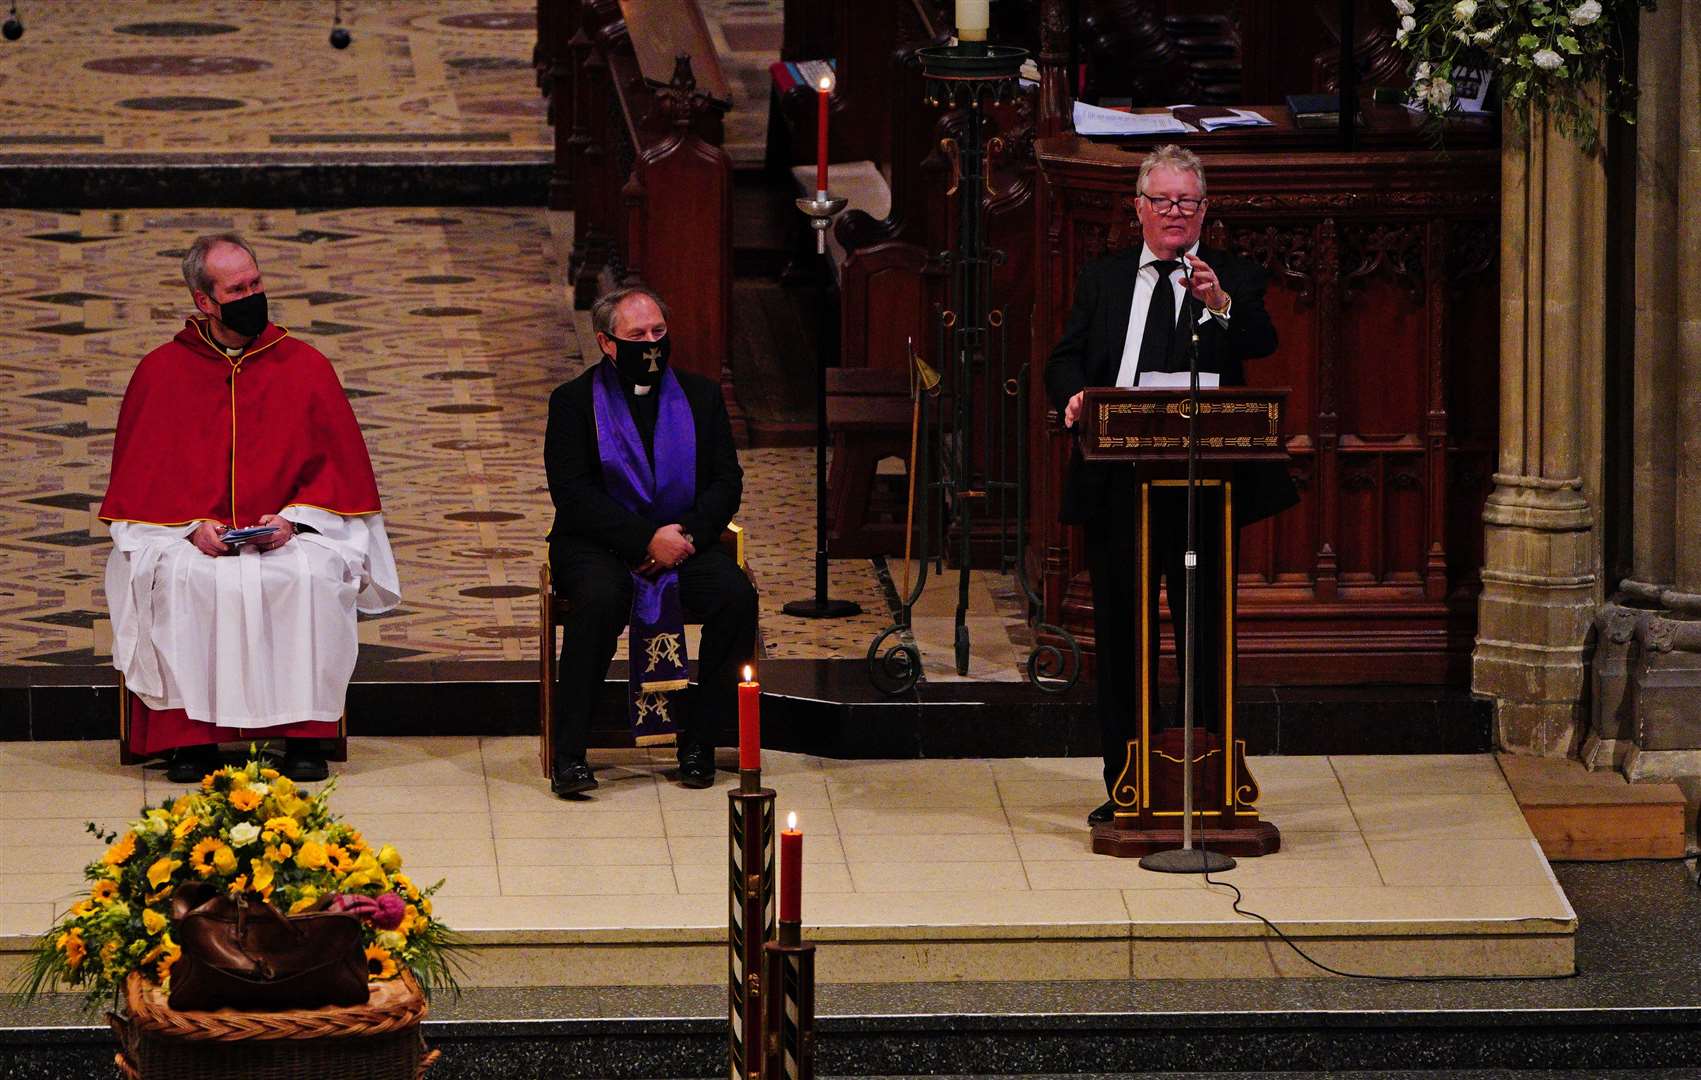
(168,954)
(120,852)
(379,963)
(245,800)
(204,856)
(338,859)
(287,827)
(104,892)
(75,949)
(186,826)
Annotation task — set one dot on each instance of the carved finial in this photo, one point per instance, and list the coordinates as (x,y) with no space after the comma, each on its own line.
(678,100)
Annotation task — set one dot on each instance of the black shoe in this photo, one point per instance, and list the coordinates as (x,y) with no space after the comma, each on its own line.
(697,766)
(188,764)
(303,766)
(572,778)
(1103,815)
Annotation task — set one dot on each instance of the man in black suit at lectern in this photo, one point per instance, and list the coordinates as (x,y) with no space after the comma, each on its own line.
(1129,327)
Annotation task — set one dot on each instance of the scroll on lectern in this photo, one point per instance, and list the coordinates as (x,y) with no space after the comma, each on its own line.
(1146,429)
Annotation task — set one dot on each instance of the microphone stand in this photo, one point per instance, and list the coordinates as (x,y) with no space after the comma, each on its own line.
(1187,859)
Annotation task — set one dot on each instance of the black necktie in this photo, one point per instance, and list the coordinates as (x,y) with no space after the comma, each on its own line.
(1157,343)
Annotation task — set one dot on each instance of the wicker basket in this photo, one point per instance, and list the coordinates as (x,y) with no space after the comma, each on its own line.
(376,1041)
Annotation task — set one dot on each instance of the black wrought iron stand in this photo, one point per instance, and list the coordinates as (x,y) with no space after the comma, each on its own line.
(969,472)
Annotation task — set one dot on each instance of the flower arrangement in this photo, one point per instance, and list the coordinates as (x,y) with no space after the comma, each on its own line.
(249,830)
(1548,56)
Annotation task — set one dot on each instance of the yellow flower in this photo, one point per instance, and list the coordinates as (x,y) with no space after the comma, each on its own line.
(355,841)
(186,826)
(312,856)
(169,952)
(152,921)
(405,883)
(109,952)
(245,800)
(339,860)
(104,892)
(281,785)
(204,855)
(379,963)
(389,858)
(240,885)
(303,904)
(75,949)
(162,869)
(284,826)
(224,860)
(81,908)
(119,853)
(269,774)
(263,872)
(425,904)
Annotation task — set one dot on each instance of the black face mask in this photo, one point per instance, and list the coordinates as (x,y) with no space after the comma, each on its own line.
(641,362)
(246,316)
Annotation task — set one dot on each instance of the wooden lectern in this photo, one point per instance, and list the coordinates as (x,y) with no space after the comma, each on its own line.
(1146,430)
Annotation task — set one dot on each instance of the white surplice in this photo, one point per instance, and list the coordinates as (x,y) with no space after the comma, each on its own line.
(260,639)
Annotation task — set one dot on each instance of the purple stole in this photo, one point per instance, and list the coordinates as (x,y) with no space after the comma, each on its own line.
(656,645)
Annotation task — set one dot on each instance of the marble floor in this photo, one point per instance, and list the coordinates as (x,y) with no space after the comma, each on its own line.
(118,80)
(920,870)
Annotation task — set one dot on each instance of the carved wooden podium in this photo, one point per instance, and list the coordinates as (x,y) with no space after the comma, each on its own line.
(1146,430)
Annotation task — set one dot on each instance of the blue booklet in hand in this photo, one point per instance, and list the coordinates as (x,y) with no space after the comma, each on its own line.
(242,536)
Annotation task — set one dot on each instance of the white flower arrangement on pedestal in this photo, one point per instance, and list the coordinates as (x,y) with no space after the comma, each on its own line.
(1559,58)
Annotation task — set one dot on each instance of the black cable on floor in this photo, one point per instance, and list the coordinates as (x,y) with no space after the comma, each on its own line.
(1314,962)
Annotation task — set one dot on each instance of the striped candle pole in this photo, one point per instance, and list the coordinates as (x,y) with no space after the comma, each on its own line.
(789,974)
(750,919)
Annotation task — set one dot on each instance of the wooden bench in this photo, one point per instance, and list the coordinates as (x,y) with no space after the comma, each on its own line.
(637,100)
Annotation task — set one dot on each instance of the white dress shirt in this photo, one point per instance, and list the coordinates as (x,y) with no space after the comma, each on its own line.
(1144,283)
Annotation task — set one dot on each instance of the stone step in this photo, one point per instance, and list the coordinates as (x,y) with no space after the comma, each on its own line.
(1596,816)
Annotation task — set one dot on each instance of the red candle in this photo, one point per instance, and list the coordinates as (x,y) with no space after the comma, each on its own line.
(823,95)
(791,871)
(749,721)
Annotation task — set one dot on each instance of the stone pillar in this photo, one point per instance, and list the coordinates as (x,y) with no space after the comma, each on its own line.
(1541,581)
(1663,691)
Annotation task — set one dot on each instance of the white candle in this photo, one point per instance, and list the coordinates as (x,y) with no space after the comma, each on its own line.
(973,18)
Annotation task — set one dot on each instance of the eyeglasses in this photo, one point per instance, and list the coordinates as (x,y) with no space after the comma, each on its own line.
(1187,207)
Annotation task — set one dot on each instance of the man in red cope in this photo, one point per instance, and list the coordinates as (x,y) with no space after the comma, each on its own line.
(232,426)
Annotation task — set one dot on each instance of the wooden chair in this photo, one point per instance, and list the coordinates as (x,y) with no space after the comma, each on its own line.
(553,611)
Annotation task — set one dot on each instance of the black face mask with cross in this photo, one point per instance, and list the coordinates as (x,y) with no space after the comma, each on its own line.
(641,362)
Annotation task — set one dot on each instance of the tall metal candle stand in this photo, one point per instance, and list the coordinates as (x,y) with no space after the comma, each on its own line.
(974,453)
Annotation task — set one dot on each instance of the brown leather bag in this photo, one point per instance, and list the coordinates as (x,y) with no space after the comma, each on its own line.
(241,952)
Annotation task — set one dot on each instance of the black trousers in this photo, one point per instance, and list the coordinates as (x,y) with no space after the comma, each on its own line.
(1113,561)
(598,589)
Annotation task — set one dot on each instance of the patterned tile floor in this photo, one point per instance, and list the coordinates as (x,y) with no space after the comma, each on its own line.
(235,77)
(449,361)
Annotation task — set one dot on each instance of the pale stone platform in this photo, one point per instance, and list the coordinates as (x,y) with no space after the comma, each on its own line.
(914,870)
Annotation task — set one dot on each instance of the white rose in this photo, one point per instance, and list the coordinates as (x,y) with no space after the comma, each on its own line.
(1404,7)
(1465,10)
(1408,24)
(1585,13)
(1440,93)
(1423,71)
(244,834)
(261,790)
(1547,59)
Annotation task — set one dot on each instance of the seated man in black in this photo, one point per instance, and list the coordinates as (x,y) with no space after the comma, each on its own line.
(644,478)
